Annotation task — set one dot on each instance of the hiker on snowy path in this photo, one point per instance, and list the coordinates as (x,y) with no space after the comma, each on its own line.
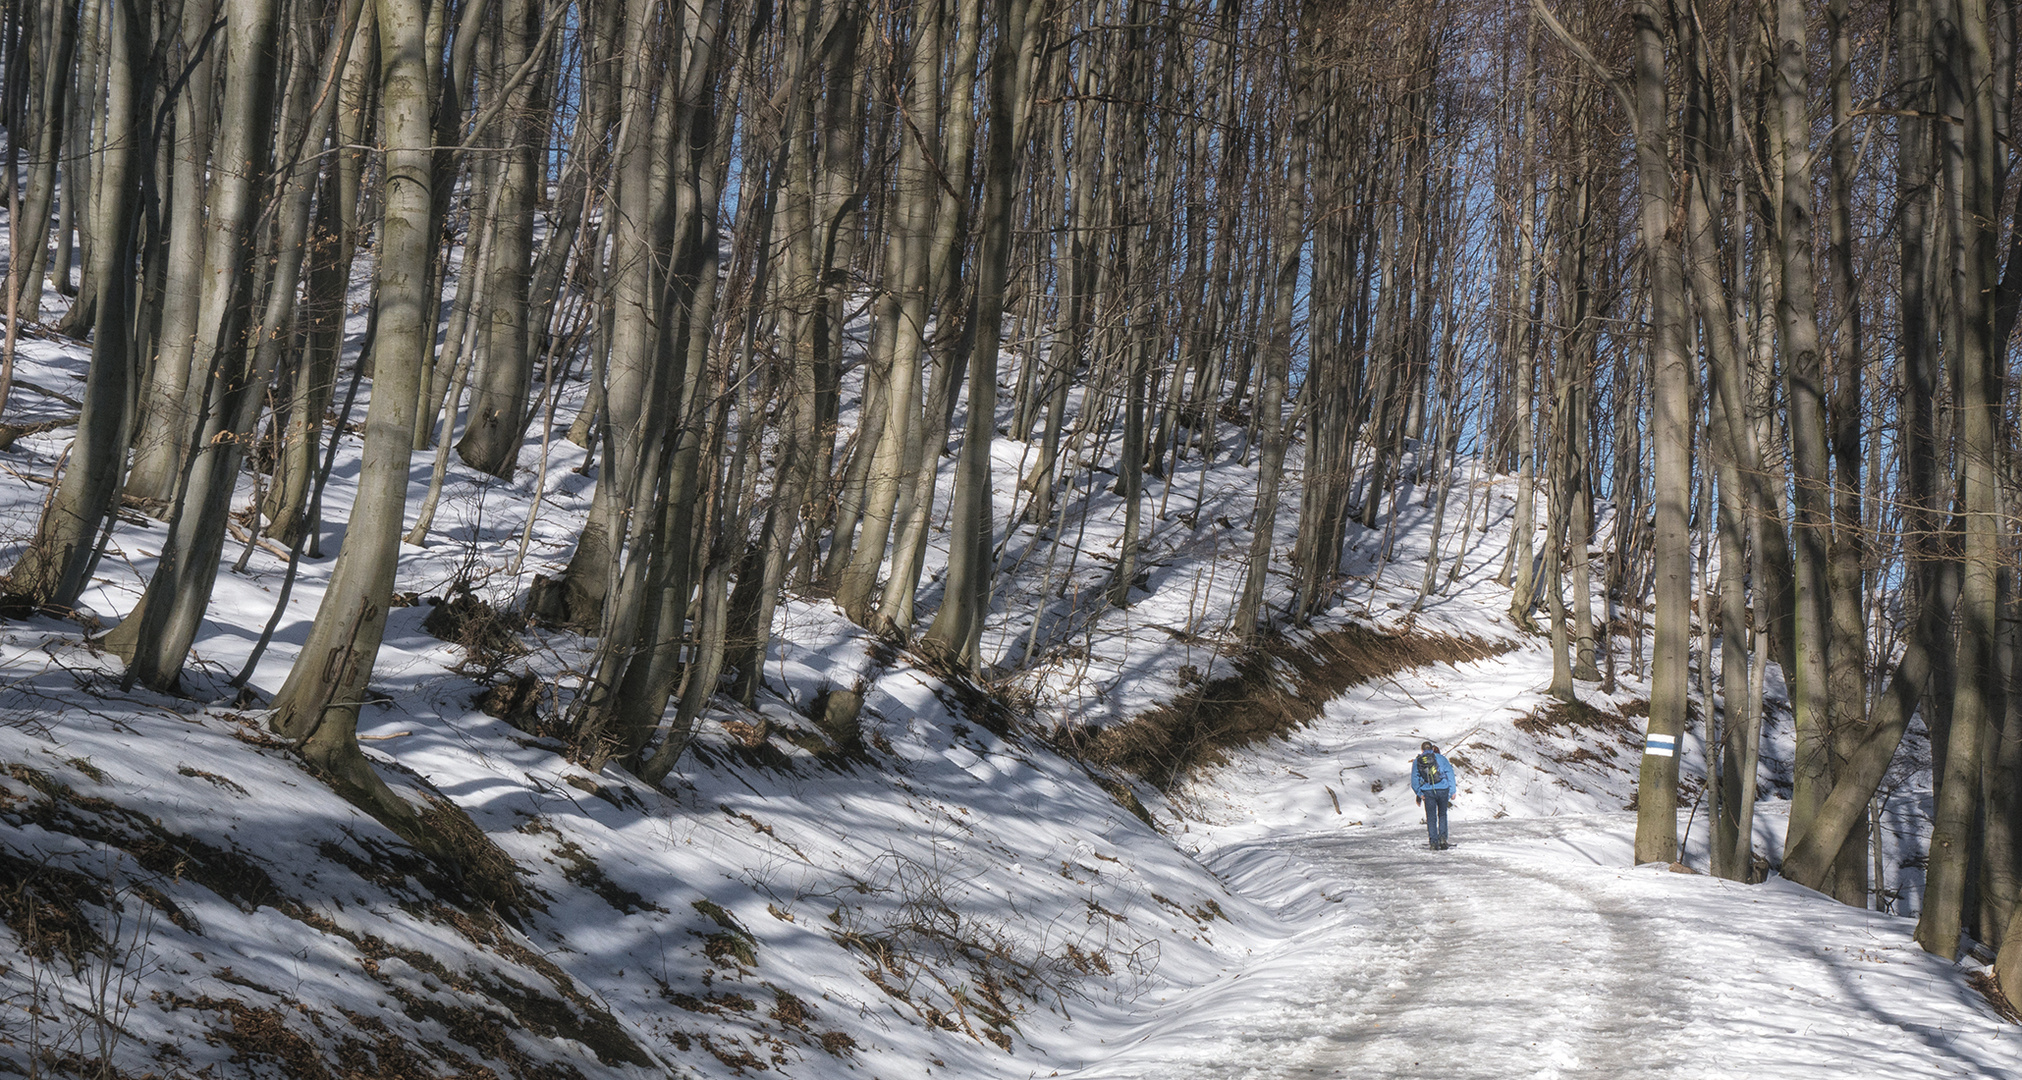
(1432,781)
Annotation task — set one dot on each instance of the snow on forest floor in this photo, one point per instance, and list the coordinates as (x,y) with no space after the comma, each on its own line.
(952,898)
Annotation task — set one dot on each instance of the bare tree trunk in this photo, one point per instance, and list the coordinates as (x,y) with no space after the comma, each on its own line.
(640,663)
(952,152)
(317,707)
(957,629)
(899,336)
(1670,435)
(1803,364)
(332,249)
(797,420)
(92,79)
(1971,156)
(492,435)
(1846,561)
(57,31)
(168,419)
(1732,437)
(1528,297)
(55,568)
(628,367)
(1076,166)
(1929,566)
(156,637)
(1268,405)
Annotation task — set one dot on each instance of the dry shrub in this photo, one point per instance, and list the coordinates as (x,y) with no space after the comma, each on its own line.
(734,947)
(489,636)
(1989,986)
(788,1010)
(382,1054)
(962,694)
(737,1058)
(1279,685)
(749,736)
(1123,796)
(565,1013)
(568,1012)
(921,947)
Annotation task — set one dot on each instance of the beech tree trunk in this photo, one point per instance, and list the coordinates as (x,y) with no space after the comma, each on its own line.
(1670,436)
(1964,76)
(56,567)
(957,629)
(156,637)
(317,707)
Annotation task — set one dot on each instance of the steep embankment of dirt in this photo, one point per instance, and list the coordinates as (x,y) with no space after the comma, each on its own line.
(1278,684)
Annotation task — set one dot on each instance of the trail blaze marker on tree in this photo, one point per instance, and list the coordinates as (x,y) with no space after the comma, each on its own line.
(1660,745)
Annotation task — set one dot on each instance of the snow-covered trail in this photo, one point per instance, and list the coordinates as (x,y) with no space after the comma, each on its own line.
(1532,965)
(1533,950)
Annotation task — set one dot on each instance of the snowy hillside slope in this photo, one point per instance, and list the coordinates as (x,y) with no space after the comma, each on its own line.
(939,893)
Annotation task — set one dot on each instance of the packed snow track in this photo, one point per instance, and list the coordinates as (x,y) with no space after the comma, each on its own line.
(1531,949)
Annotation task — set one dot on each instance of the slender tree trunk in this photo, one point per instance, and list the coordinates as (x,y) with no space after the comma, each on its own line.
(1846,562)
(168,421)
(332,249)
(627,371)
(1971,166)
(953,151)
(1269,403)
(1803,364)
(1732,439)
(58,30)
(1528,297)
(156,638)
(899,336)
(1670,436)
(492,435)
(317,707)
(54,570)
(642,664)
(957,629)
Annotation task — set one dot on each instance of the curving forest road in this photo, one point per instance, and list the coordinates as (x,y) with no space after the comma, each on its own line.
(1531,950)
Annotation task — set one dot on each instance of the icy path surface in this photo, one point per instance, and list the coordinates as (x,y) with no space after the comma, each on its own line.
(1531,949)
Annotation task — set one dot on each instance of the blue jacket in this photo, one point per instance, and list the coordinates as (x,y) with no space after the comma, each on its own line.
(1444,786)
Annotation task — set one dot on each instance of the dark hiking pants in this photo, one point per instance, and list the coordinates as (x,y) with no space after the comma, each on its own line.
(1435,816)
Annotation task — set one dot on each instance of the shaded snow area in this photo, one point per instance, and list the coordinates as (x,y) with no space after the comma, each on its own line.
(946,894)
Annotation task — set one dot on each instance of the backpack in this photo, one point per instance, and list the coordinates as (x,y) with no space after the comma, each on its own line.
(1427,768)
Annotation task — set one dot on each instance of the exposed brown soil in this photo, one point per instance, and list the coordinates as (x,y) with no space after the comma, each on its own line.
(1279,685)
(1563,717)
